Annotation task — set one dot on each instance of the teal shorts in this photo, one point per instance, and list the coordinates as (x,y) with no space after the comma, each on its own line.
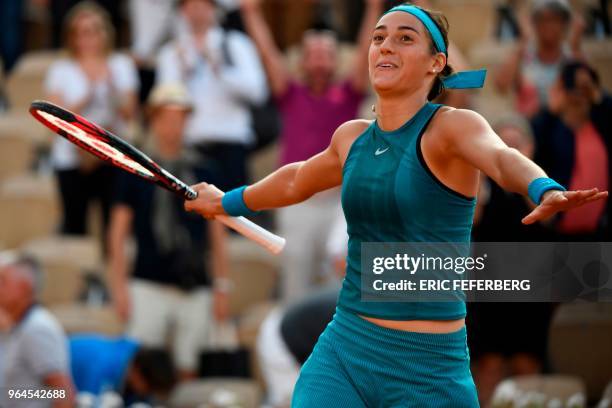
(356,364)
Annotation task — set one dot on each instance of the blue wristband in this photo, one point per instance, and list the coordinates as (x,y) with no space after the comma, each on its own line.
(539,186)
(233,203)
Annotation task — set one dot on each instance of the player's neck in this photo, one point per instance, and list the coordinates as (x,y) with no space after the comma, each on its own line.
(393,112)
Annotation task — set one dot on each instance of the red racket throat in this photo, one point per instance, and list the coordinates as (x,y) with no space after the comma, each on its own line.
(91,138)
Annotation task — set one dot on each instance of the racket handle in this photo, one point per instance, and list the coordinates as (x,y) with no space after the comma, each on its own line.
(249,229)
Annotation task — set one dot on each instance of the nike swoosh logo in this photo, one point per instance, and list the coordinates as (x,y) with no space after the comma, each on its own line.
(379,152)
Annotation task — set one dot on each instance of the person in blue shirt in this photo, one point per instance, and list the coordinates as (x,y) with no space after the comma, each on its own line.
(410,176)
(101,364)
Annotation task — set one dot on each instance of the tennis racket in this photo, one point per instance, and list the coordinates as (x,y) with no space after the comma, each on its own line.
(108,147)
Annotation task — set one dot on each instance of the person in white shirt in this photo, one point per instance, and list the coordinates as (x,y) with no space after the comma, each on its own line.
(100,85)
(223,73)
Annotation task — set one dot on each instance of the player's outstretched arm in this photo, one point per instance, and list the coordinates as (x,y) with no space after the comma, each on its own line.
(475,142)
(288,185)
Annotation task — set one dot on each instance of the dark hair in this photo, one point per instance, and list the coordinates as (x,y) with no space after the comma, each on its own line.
(157,369)
(442,23)
(569,71)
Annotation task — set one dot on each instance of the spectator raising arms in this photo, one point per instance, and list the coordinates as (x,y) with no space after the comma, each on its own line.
(34,353)
(223,75)
(100,85)
(170,286)
(554,36)
(310,110)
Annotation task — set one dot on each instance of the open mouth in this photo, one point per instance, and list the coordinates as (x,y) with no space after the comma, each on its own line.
(386,65)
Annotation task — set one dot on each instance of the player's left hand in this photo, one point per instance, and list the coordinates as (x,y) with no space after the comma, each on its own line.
(554,201)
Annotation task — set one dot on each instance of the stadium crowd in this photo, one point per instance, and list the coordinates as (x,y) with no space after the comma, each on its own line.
(111,291)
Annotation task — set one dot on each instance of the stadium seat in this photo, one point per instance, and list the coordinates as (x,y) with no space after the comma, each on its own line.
(78,318)
(216,392)
(599,54)
(65,261)
(29,209)
(580,344)
(540,391)
(470,21)
(16,152)
(25,83)
(254,273)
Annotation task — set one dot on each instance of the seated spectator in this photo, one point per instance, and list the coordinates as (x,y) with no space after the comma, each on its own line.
(101,85)
(34,353)
(311,110)
(177,253)
(533,66)
(286,339)
(223,75)
(101,364)
(574,138)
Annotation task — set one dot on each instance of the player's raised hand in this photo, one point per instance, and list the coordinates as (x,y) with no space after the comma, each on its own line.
(555,201)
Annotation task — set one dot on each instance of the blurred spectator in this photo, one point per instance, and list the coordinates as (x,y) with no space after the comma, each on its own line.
(286,339)
(101,364)
(34,352)
(170,285)
(573,146)
(60,11)
(152,24)
(100,85)
(507,339)
(11,37)
(311,111)
(224,77)
(551,37)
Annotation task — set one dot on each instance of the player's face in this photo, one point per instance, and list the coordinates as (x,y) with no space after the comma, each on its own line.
(400,57)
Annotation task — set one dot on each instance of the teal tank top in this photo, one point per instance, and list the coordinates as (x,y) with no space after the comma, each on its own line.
(390,195)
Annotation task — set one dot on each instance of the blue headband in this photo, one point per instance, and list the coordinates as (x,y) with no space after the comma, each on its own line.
(459,80)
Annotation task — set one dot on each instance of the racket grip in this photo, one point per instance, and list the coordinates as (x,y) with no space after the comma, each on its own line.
(249,229)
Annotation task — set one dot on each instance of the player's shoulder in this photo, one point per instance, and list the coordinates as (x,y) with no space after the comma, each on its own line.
(354,127)
(449,115)
(452,121)
(349,131)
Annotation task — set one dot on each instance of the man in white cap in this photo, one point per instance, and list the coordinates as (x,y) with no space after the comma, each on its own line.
(171,280)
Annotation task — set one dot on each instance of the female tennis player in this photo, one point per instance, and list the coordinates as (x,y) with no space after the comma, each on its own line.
(411,175)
